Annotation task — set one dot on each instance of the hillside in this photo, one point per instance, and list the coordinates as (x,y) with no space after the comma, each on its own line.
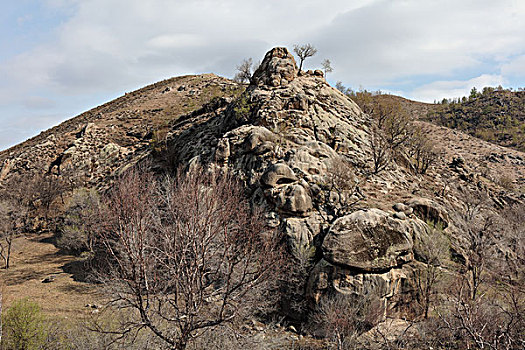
(94,144)
(496,116)
(365,240)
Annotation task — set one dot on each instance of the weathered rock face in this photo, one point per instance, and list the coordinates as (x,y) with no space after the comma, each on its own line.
(283,143)
(387,287)
(277,69)
(369,240)
(429,210)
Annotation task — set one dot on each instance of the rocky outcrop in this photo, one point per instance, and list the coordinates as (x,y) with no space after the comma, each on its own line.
(300,146)
(278,68)
(370,240)
(388,286)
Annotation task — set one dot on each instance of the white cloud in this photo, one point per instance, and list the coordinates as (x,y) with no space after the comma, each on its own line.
(38,102)
(418,47)
(392,41)
(109,44)
(515,68)
(176,41)
(454,88)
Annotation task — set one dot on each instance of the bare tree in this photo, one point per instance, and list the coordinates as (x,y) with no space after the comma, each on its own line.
(327,66)
(344,184)
(12,216)
(303,52)
(397,127)
(432,249)
(244,71)
(187,255)
(381,154)
(421,151)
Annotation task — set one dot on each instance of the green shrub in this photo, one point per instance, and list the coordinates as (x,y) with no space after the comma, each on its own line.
(24,326)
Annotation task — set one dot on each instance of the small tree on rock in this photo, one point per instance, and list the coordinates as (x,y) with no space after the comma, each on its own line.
(244,71)
(303,52)
(327,66)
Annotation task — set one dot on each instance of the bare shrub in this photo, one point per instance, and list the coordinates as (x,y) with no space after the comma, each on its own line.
(493,320)
(485,307)
(432,250)
(342,318)
(186,255)
(421,150)
(81,216)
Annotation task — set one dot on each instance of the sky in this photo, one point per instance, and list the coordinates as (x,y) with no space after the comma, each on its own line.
(59,58)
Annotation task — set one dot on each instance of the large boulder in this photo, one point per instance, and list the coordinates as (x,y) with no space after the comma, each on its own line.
(278,174)
(429,211)
(291,199)
(369,240)
(388,287)
(278,68)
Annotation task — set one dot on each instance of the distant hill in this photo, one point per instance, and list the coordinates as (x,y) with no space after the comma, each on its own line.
(494,115)
(96,144)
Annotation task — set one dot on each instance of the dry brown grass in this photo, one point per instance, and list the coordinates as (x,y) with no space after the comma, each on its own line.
(35,258)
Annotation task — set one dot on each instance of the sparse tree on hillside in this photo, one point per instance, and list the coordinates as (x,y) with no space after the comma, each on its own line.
(421,150)
(303,52)
(327,66)
(339,86)
(381,155)
(245,71)
(187,255)
(12,216)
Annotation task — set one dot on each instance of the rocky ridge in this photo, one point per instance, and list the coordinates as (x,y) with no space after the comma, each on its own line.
(302,149)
